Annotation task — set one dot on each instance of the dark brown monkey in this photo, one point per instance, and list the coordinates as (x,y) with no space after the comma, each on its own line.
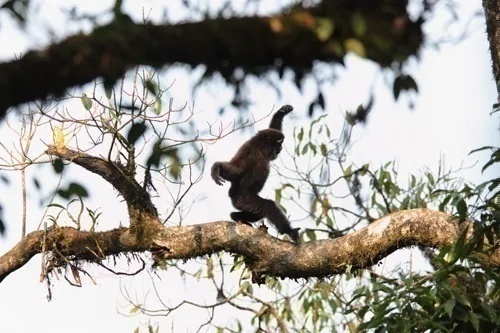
(248,171)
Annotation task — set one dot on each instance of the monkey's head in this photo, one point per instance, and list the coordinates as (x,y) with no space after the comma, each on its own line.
(269,142)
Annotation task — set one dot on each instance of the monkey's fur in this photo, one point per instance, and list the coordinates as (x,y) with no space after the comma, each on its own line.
(248,171)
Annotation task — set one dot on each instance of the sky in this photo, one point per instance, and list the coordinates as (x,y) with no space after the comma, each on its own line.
(450,118)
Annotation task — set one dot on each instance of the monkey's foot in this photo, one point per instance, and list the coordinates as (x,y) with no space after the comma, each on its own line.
(245,217)
(244,222)
(294,235)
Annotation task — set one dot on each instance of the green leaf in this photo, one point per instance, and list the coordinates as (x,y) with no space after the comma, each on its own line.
(474,320)
(461,209)
(430,177)
(277,195)
(113,114)
(73,189)
(56,205)
(495,158)
(324,28)
(175,166)
(358,24)
(249,289)
(108,91)
(155,157)
(237,266)
(482,148)
(300,135)
(355,46)
(36,182)
(311,108)
(157,106)
(313,148)
(152,87)
(135,132)
(463,300)
(405,203)
(5,179)
(449,306)
(328,133)
(58,165)
(396,88)
(305,149)
(311,234)
(321,101)
(348,173)
(87,103)
(411,84)
(77,189)
(444,202)
(2,227)
(324,150)
(403,82)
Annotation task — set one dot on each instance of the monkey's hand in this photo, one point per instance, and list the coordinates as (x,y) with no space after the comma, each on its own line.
(216,174)
(285,109)
(277,120)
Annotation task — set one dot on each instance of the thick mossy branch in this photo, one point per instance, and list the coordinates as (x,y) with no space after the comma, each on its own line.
(264,254)
(381,30)
(267,255)
(69,242)
(135,196)
(492,13)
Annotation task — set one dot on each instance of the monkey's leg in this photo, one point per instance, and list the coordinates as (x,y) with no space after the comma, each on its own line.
(258,206)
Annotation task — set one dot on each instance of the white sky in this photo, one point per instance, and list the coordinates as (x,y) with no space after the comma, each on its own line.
(451,117)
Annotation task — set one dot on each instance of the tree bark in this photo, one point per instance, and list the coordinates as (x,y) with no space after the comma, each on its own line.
(492,14)
(295,39)
(264,254)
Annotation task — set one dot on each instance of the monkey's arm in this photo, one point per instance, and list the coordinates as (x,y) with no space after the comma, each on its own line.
(225,171)
(277,120)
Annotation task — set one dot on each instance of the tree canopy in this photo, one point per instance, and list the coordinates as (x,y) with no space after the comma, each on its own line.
(124,129)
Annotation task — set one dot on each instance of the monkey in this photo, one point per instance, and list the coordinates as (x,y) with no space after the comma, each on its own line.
(276,123)
(247,172)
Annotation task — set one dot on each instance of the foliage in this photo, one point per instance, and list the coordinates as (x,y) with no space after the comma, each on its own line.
(302,37)
(458,294)
(136,129)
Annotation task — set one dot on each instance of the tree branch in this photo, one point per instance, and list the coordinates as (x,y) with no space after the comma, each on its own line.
(115,174)
(492,14)
(70,242)
(295,39)
(264,254)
